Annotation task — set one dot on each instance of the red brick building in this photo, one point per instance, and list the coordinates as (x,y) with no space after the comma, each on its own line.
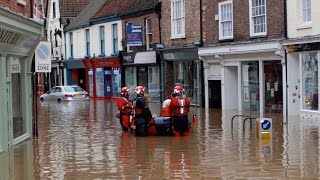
(180,35)
(242,54)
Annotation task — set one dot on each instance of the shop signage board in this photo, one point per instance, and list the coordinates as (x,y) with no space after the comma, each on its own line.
(134,35)
(43,57)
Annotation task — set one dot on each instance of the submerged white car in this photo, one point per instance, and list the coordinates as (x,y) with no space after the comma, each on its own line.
(65,93)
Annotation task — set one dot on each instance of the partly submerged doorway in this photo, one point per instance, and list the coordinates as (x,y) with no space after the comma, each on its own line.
(215,94)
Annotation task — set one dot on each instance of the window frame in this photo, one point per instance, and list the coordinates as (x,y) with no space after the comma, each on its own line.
(102,41)
(221,37)
(54,14)
(71,44)
(115,38)
(252,33)
(148,22)
(87,35)
(175,20)
(303,8)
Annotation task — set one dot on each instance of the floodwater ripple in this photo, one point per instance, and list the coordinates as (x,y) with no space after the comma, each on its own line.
(83,140)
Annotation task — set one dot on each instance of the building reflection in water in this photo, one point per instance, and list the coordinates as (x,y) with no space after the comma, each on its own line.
(82,140)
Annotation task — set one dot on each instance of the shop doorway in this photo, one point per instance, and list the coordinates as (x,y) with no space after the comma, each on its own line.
(273,87)
(215,94)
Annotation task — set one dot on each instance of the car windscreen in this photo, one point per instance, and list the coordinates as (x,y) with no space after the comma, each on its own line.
(72,89)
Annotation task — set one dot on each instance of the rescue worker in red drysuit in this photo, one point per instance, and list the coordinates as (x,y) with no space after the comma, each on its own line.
(125,108)
(180,107)
(142,113)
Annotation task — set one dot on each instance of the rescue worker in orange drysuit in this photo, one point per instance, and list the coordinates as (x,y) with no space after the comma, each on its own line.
(142,113)
(180,107)
(125,108)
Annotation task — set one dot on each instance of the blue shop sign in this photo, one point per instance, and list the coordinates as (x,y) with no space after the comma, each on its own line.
(134,35)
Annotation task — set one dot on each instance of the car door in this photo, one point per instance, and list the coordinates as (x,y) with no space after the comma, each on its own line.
(50,94)
(58,93)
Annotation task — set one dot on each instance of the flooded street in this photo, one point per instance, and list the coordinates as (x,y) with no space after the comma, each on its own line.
(83,140)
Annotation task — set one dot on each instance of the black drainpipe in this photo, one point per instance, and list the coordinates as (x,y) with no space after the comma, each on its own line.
(201,28)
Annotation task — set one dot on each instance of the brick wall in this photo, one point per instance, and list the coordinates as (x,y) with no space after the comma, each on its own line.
(18,8)
(141,20)
(241,22)
(192,24)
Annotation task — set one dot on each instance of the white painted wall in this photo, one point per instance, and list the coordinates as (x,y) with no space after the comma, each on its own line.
(295,26)
(79,41)
(293,84)
(54,23)
(230,88)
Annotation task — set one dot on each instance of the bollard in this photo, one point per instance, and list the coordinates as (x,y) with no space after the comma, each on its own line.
(194,119)
(264,128)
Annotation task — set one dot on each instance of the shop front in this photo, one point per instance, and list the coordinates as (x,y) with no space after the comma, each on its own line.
(75,72)
(142,68)
(182,66)
(252,76)
(103,77)
(19,37)
(303,81)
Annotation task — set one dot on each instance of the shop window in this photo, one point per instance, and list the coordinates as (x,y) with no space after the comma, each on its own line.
(185,75)
(131,79)
(310,82)
(154,83)
(19,125)
(250,86)
(99,82)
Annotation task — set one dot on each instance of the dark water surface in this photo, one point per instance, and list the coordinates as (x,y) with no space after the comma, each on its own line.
(83,140)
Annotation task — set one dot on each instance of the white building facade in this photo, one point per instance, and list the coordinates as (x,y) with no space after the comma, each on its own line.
(98,45)
(303,53)
(56,36)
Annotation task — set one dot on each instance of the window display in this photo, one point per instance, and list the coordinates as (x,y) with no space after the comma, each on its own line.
(310,82)
(250,86)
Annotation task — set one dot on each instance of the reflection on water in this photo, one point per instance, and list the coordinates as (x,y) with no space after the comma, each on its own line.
(82,140)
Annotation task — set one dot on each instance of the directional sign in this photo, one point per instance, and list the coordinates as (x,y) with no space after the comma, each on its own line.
(266,124)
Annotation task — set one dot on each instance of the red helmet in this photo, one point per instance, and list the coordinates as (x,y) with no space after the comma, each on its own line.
(139,89)
(125,90)
(178,89)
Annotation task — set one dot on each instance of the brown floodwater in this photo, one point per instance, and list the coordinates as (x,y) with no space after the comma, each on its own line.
(83,140)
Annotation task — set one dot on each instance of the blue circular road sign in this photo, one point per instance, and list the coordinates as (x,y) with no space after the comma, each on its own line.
(266,124)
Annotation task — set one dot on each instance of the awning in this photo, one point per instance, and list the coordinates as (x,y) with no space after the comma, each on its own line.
(74,64)
(100,62)
(139,58)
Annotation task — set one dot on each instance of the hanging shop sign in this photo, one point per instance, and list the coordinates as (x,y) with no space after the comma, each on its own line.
(134,35)
(43,57)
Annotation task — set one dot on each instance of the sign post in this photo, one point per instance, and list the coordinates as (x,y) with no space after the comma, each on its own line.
(264,128)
